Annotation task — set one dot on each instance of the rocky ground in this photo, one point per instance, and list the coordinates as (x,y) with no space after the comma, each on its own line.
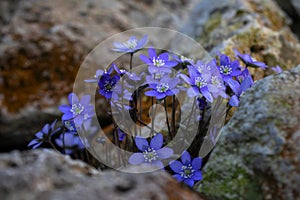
(42,44)
(52,176)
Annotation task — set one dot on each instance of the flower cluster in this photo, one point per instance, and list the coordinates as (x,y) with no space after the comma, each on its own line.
(65,137)
(167,76)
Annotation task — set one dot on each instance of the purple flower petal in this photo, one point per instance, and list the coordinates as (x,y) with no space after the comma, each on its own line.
(158,164)
(67,116)
(178,177)
(136,159)
(151,93)
(153,69)
(234,101)
(85,100)
(164,56)
(165,153)
(196,163)
(190,182)
(46,128)
(141,143)
(78,120)
(145,59)
(64,108)
(33,142)
(186,79)
(160,95)
(176,166)
(260,64)
(206,94)
(142,42)
(234,85)
(171,63)
(73,99)
(197,176)
(156,142)
(119,45)
(224,60)
(151,53)
(186,158)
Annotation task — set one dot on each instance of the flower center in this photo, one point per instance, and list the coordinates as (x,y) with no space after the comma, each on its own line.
(150,155)
(158,62)
(225,69)
(162,87)
(187,171)
(200,82)
(130,44)
(77,109)
(158,75)
(108,86)
(216,81)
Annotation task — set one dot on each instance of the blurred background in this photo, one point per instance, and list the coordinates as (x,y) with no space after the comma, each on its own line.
(43,43)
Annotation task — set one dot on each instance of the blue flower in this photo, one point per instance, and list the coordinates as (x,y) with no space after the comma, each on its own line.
(106,85)
(70,141)
(188,170)
(155,77)
(121,72)
(239,86)
(79,111)
(160,63)
(151,154)
(249,61)
(132,45)
(183,59)
(229,69)
(99,73)
(277,69)
(206,80)
(44,135)
(165,87)
(198,84)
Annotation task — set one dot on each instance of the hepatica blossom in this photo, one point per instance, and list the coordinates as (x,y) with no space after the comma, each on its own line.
(277,69)
(44,135)
(106,85)
(205,80)
(228,68)
(165,87)
(158,63)
(249,61)
(150,154)
(69,141)
(188,170)
(132,45)
(78,110)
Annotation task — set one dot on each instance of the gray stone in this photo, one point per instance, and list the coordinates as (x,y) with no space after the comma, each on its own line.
(258,156)
(257,27)
(49,175)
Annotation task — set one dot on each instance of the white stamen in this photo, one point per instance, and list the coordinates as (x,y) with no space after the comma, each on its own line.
(150,155)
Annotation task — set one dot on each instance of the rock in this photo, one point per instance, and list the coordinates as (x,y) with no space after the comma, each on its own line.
(42,44)
(258,156)
(251,26)
(47,175)
(292,9)
(296,4)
